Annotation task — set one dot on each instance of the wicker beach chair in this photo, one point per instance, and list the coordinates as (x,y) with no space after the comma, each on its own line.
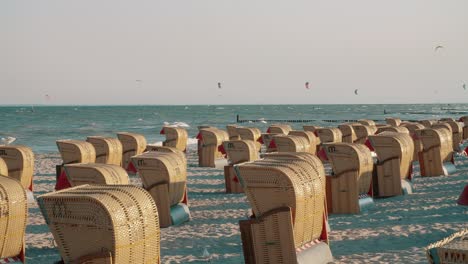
(19,161)
(446,119)
(176,137)
(450,250)
(457,134)
(310,137)
(348,134)
(412,127)
(72,151)
(105,224)
(95,173)
(108,150)
(164,176)
(392,121)
(13,218)
(290,143)
(436,157)
(366,122)
(3,168)
(349,186)
(363,132)
(232,132)
(464,120)
(251,133)
(266,140)
(133,144)
(238,151)
(288,225)
(427,123)
(395,155)
(329,135)
(395,129)
(279,129)
(209,141)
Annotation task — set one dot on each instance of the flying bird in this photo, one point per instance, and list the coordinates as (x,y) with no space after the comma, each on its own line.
(307,85)
(356,91)
(438,47)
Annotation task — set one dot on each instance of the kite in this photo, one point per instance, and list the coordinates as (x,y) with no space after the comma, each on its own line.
(307,85)
(438,47)
(356,92)
(219,85)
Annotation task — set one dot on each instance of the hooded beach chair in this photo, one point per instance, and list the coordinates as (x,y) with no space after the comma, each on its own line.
(72,151)
(395,153)
(176,137)
(457,134)
(436,157)
(450,250)
(108,150)
(132,144)
(348,134)
(232,132)
(209,141)
(14,215)
(266,139)
(237,151)
(19,161)
(366,122)
(412,127)
(287,195)
(95,173)
(394,122)
(279,129)
(164,176)
(363,132)
(327,135)
(349,187)
(310,137)
(427,123)
(103,224)
(3,168)
(251,133)
(290,143)
(395,129)
(464,120)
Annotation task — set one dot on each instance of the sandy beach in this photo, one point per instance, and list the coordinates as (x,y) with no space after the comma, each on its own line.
(396,230)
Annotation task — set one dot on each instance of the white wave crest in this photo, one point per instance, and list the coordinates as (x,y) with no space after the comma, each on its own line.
(176,124)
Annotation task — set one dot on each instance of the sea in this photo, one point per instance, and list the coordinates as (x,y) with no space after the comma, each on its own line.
(40,126)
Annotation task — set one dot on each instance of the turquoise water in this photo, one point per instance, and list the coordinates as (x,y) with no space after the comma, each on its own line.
(40,128)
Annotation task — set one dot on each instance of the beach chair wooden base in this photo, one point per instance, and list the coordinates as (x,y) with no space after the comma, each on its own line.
(342,195)
(270,239)
(432,165)
(168,215)
(232,181)
(387,180)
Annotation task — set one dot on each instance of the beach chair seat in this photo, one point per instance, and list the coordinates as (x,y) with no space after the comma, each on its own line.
(363,132)
(436,157)
(412,127)
(310,137)
(19,162)
(132,144)
(164,176)
(366,122)
(108,150)
(450,250)
(103,224)
(238,151)
(14,215)
(176,137)
(348,134)
(290,143)
(232,132)
(279,129)
(392,121)
(72,151)
(251,133)
(266,140)
(395,154)
(209,141)
(286,192)
(349,188)
(95,173)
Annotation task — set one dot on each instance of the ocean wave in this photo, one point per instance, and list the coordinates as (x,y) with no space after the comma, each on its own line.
(176,124)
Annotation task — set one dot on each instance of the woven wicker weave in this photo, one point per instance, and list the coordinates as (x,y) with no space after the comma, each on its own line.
(362,132)
(457,134)
(395,153)
(291,143)
(310,137)
(95,173)
(13,216)
(133,144)
(437,149)
(164,176)
(348,134)
(176,137)
(108,150)
(450,250)
(250,133)
(279,129)
(394,122)
(20,163)
(412,127)
(366,122)
(76,151)
(329,135)
(232,132)
(93,219)
(352,167)
(3,168)
(395,129)
(239,151)
(211,139)
(266,139)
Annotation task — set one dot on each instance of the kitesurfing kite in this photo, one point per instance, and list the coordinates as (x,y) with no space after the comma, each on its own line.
(438,47)
(356,92)
(307,85)
(219,85)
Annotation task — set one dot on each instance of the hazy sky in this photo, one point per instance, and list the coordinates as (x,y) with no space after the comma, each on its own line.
(262,51)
